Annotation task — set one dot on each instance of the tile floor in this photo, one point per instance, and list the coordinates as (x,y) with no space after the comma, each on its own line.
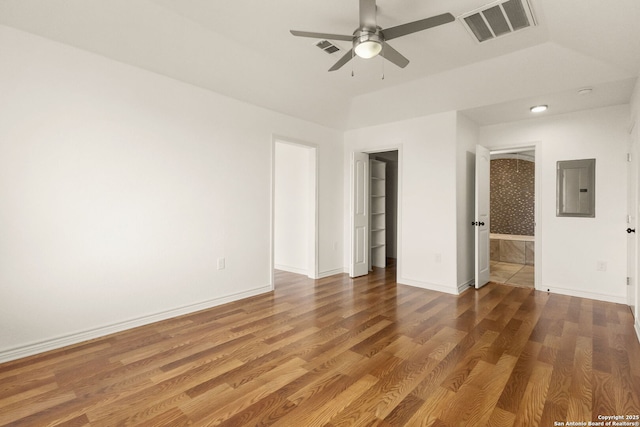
(512,274)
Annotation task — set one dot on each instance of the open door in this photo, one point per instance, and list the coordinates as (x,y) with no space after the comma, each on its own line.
(481,223)
(359,265)
(632,221)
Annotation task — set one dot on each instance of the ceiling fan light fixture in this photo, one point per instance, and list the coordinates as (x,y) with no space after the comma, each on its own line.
(367,44)
(369,40)
(368,49)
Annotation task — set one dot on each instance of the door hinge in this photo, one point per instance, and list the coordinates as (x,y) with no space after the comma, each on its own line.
(628,281)
(628,157)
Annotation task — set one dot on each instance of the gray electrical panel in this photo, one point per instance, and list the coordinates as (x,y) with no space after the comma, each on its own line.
(576,188)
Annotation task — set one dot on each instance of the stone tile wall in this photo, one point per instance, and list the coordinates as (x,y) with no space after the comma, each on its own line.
(512,197)
(513,251)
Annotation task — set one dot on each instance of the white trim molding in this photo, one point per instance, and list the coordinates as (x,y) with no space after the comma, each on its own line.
(323,274)
(289,269)
(583,294)
(462,287)
(429,286)
(102,331)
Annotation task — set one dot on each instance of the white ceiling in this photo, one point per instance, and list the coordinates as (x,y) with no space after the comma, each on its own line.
(243,49)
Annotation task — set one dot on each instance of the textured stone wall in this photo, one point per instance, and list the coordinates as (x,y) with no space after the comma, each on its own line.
(512,196)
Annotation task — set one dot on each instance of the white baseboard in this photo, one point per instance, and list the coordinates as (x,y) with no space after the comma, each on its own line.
(466,285)
(429,286)
(328,273)
(290,269)
(321,274)
(583,294)
(89,334)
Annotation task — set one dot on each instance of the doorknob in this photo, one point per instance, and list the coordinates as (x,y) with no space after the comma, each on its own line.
(474,223)
(482,223)
(631,230)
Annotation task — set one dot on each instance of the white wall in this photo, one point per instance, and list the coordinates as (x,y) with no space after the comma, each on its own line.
(119,189)
(570,248)
(467,139)
(292,211)
(427,191)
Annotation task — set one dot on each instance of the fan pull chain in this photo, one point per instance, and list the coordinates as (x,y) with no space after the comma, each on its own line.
(382,59)
(353,55)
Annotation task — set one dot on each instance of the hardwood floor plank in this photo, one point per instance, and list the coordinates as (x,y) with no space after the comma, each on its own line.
(531,406)
(467,363)
(226,404)
(558,395)
(490,380)
(344,352)
(514,390)
(33,404)
(501,418)
(580,392)
(174,417)
(434,405)
(403,411)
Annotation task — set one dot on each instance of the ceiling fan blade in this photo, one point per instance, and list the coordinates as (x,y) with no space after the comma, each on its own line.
(415,26)
(393,55)
(346,58)
(322,35)
(368,14)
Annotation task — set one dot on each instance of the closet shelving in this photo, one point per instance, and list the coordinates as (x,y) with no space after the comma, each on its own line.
(377,241)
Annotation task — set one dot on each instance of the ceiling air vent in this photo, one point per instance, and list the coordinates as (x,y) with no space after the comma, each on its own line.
(327,46)
(498,19)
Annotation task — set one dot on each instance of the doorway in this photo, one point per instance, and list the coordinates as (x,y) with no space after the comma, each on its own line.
(512,207)
(294,208)
(384,208)
(374,211)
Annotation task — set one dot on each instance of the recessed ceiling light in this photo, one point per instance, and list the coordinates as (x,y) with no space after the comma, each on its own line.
(538,108)
(585,91)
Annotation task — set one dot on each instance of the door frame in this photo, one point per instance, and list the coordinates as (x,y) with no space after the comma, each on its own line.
(398,148)
(537,238)
(633,211)
(312,230)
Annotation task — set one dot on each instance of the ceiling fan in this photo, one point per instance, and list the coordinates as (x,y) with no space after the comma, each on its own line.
(369,40)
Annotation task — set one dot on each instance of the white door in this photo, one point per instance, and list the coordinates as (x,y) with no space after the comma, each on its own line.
(359,265)
(481,221)
(632,221)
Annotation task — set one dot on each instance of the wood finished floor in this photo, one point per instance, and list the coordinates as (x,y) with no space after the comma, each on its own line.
(341,352)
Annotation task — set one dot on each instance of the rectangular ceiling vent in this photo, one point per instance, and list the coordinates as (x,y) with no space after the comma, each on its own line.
(327,46)
(499,19)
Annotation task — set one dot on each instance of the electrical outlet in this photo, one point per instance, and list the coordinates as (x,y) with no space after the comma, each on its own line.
(221,263)
(438,258)
(601,266)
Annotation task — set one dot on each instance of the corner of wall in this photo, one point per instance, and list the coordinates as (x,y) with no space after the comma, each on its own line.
(463,287)
(635,102)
